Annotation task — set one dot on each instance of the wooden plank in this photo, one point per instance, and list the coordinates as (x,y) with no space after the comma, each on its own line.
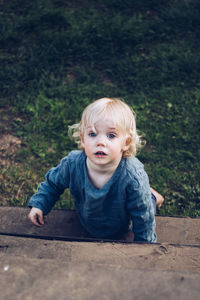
(65,223)
(140,256)
(38,269)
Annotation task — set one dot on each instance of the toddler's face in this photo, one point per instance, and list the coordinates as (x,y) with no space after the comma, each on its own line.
(104,143)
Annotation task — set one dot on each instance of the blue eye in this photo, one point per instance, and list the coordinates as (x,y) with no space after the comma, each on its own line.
(111,136)
(92,134)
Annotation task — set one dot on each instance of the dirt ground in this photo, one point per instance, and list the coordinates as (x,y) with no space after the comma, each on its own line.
(8,144)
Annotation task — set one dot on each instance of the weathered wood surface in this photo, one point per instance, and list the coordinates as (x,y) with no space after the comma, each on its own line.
(65,223)
(131,255)
(38,268)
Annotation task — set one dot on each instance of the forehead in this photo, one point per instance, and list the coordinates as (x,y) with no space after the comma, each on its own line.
(104,124)
(116,118)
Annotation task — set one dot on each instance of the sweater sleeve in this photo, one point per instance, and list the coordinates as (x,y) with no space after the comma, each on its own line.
(140,208)
(56,181)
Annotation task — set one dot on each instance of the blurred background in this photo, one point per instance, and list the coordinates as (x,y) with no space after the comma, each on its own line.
(57,56)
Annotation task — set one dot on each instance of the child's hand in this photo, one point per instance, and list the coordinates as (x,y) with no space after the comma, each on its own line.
(159,197)
(36,216)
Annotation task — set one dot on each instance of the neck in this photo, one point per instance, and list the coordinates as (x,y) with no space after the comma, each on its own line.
(99,175)
(102,169)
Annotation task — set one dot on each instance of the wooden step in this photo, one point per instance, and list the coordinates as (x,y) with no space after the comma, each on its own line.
(65,224)
(35,266)
(30,278)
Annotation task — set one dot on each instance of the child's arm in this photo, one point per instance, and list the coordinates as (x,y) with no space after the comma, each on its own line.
(140,207)
(49,191)
(36,216)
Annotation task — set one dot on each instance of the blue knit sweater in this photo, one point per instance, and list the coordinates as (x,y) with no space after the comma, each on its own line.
(105,212)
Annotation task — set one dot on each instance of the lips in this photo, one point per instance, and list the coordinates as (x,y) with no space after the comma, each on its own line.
(100,154)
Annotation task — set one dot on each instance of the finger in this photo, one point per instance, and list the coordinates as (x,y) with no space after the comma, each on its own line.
(40,219)
(31,217)
(34,219)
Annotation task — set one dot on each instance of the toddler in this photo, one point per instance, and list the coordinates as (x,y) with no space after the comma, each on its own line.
(109,184)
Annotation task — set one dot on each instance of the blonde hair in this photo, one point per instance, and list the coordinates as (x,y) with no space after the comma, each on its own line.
(121,114)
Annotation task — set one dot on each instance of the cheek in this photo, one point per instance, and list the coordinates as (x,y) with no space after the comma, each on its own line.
(86,144)
(116,148)
(84,141)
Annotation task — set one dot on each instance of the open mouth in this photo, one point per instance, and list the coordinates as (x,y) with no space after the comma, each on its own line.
(100,153)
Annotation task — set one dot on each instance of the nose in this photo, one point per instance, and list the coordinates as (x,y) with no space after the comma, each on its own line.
(101,141)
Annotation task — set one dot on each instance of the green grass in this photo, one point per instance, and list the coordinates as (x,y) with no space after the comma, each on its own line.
(58,56)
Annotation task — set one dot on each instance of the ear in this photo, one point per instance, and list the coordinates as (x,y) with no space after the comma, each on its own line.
(127,144)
